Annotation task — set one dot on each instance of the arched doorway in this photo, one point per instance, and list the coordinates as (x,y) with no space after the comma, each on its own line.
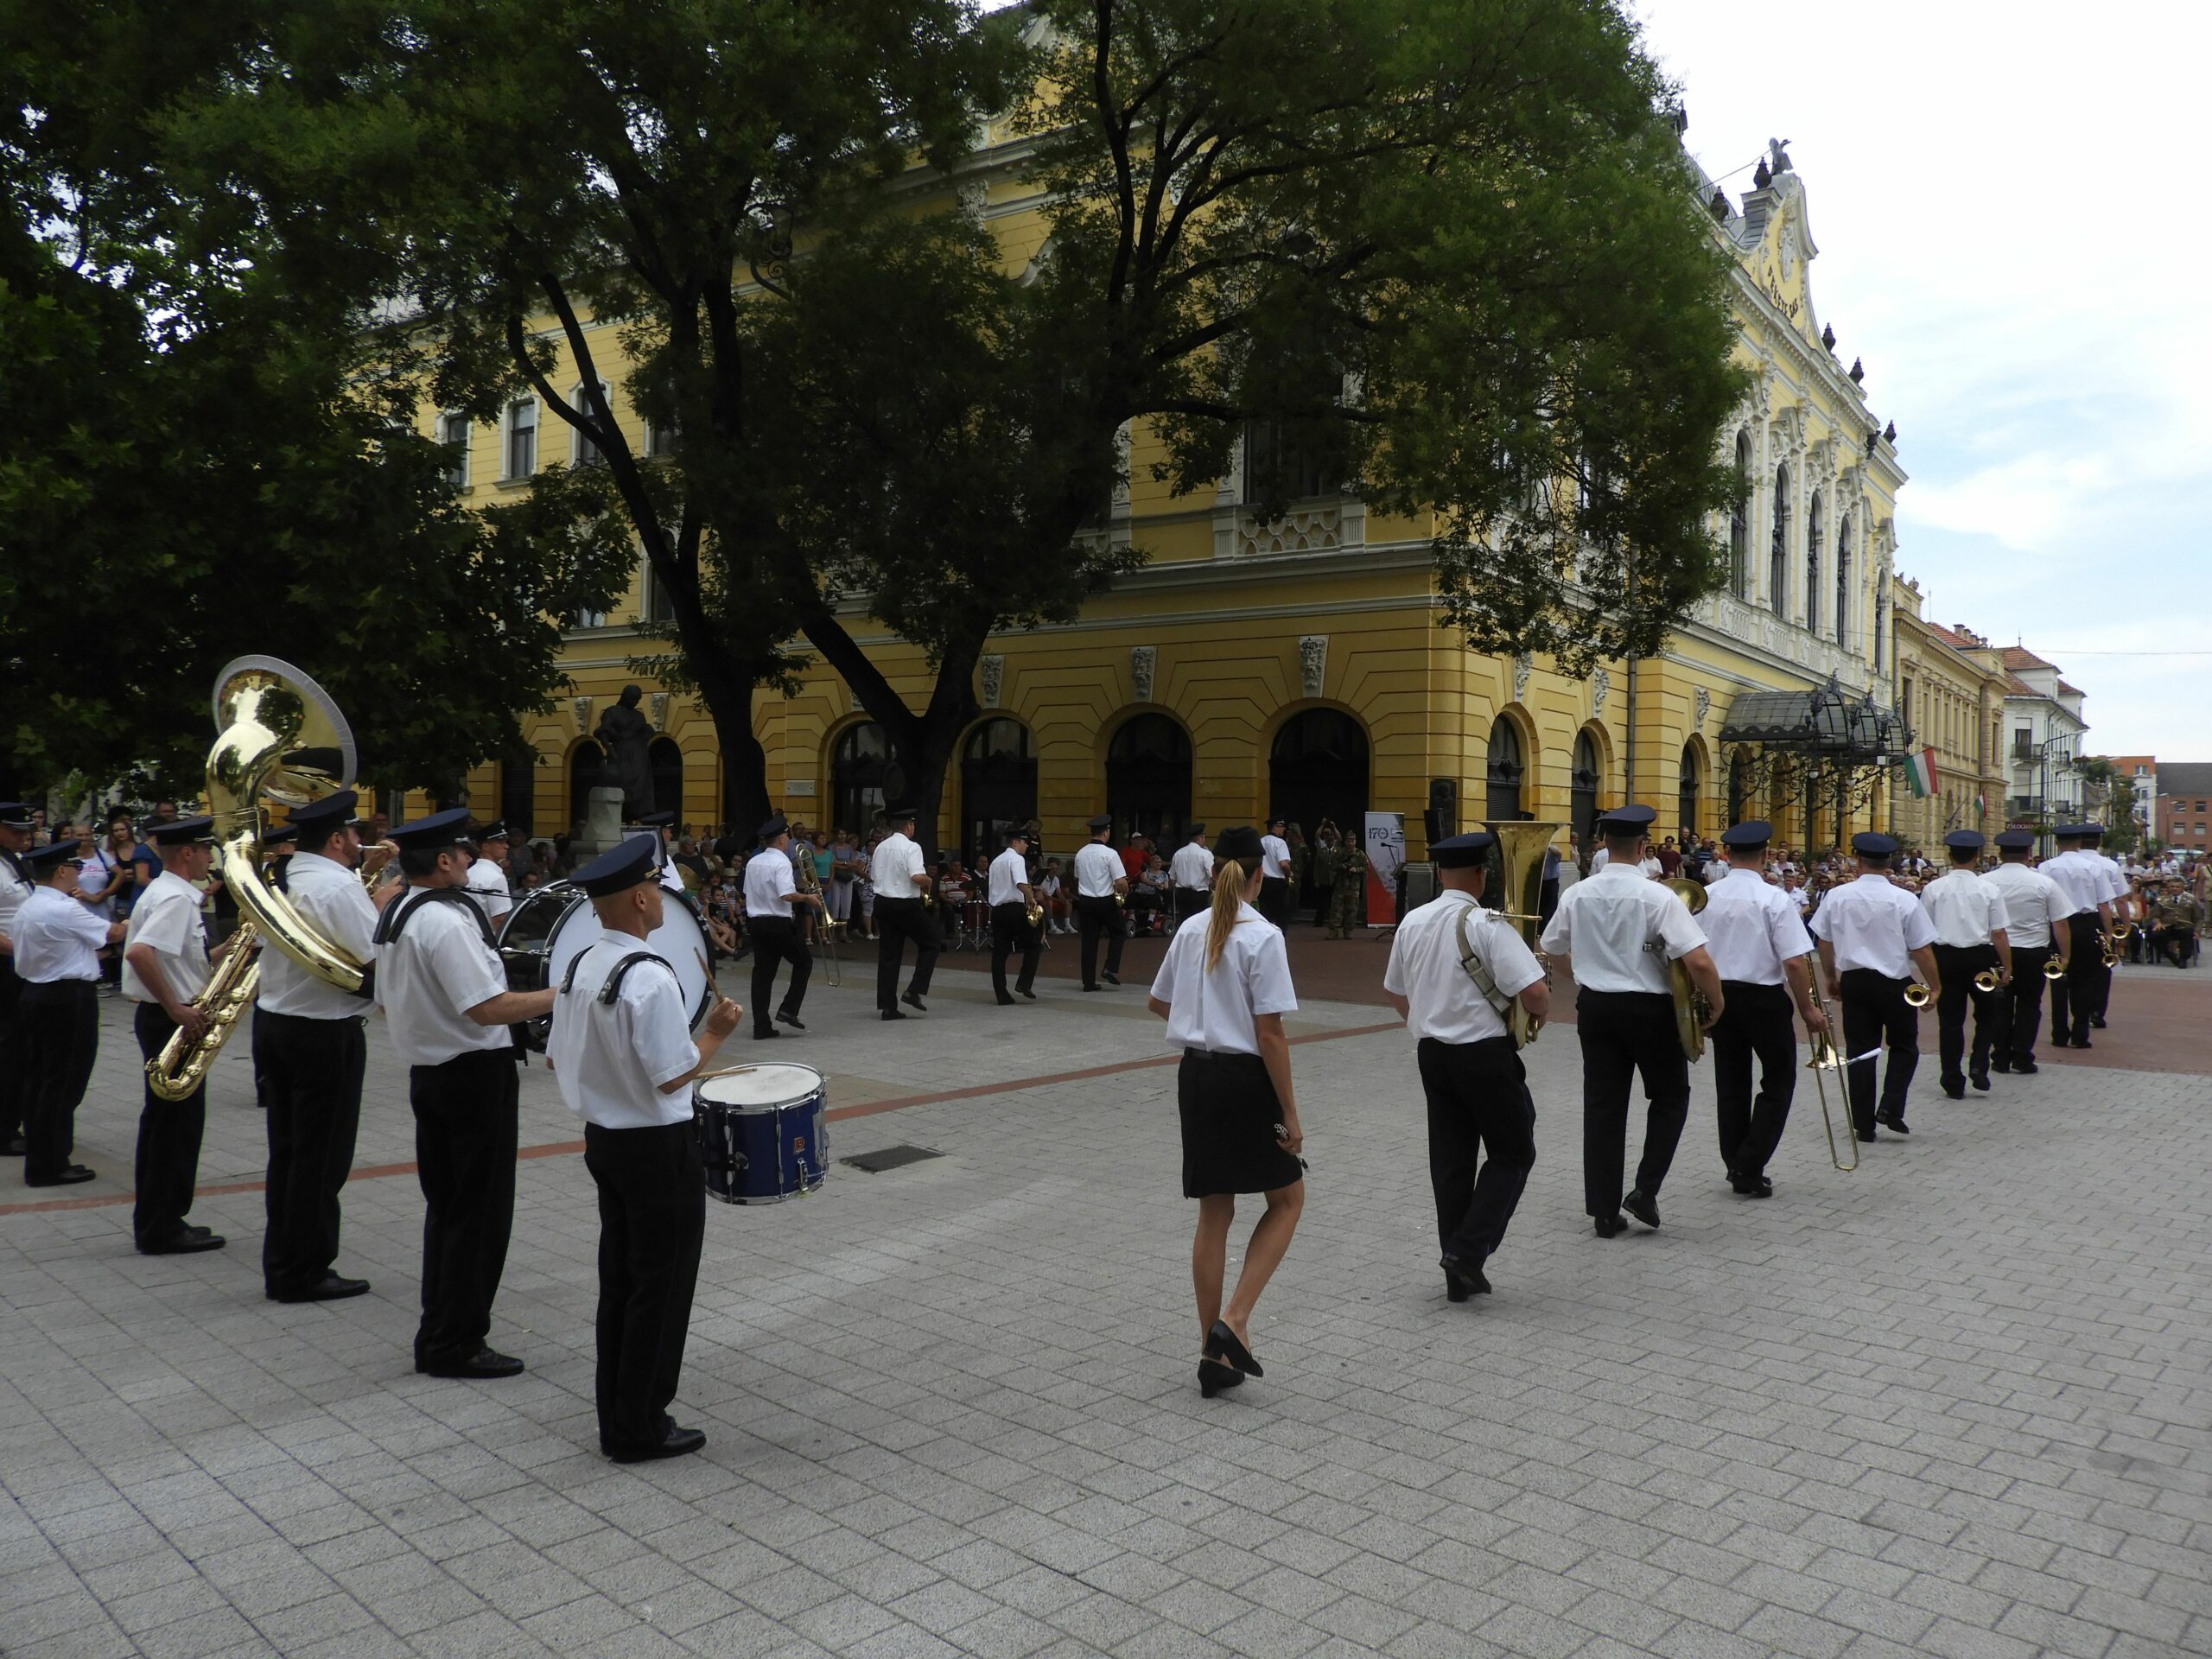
(1582,791)
(1317,770)
(1148,781)
(1502,800)
(1686,797)
(998,785)
(587,770)
(667,762)
(859,775)
(518,796)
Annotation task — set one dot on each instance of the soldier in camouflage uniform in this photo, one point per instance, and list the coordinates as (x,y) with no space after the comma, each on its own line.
(1348,896)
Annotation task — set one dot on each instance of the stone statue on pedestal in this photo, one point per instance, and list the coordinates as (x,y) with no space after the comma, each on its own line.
(625,733)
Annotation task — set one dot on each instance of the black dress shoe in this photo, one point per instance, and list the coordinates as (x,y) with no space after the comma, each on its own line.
(2079,1042)
(1979,1079)
(1094,988)
(71,1176)
(1031,995)
(1954,1091)
(332,1288)
(1111,979)
(1894,1123)
(1462,1280)
(2024,1068)
(673,1443)
(1610,1226)
(1865,1134)
(1641,1208)
(13,1146)
(1751,1186)
(2097,1021)
(2000,1066)
(913,1000)
(1006,1001)
(791,1020)
(482,1366)
(892,1013)
(766,1032)
(190,1241)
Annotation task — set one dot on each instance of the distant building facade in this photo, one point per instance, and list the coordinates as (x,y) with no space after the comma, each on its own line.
(1950,689)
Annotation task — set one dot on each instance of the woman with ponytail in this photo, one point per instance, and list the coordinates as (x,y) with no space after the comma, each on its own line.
(1223,989)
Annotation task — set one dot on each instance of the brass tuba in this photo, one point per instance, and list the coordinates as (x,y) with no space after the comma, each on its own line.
(1521,848)
(1690,1006)
(278,734)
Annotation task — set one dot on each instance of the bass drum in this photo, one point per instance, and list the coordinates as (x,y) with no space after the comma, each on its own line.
(554,925)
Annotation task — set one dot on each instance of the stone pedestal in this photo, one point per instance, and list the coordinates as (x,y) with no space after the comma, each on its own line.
(602,819)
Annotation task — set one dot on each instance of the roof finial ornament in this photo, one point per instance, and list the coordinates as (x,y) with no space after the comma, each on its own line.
(1858,370)
(1761,178)
(1719,205)
(1889,433)
(1828,336)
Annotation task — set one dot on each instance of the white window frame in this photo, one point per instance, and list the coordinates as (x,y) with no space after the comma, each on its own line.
(577,442)
(457,449)
(507,431)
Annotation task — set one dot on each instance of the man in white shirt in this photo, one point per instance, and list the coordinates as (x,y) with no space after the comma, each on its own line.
(1872,935)
(487,875)
(2035,912)
(2076,999)
(1102,892)
(1274,875)
(1760,949)
(1012,897)
(309,1053)
(444,991)
(771,890)
(2116,888)
(1622,931)
(1970,921)
(1191,871)
(15,885)
(1472,1074)
(57,942)
(623,1056)
(166,964)
(902,887)
(662,825)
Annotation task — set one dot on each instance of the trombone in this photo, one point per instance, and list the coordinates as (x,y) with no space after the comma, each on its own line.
(1826,1057)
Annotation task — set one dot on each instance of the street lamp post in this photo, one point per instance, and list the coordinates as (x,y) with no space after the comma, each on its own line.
(2055,741)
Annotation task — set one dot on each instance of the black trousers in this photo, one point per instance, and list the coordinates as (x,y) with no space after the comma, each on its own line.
(15,1073)
(466,1130)
(1755,1023)
(898,920)
(1477,1097)
(1096,919)
(1958,965)
(1624,1033)
(1010,929)
(61,1033)
(1189,902)
(1274,899)
(168,1164)
(777,938)
(1875,1012)
(2173,945)
(2020,1005)
(652,1218)
(2074,998)
(1322,890)
(311,1072)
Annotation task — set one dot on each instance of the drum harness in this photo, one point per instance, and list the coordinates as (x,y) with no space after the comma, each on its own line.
(613,988)
(393,923)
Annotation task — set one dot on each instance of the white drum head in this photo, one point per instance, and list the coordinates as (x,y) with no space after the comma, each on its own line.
(761,1085)
(680,941)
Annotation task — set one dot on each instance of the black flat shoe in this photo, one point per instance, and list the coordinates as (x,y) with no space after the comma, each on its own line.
(1094,988)
(332,1288)
(1866,1135)
(1462,1280)
(485,1365)
(912,1001)
(1111,979)
(1223,1343)
(892,1013)
(764,1032)
(190,1241)
(75,1174)
(1610,1226)
(792,1021)
(1750,1186)
(1006,1001)
(1214,1376)
(1896,1125)
(1641,1208)
(1031,995)
(673,1443)
(2079,1042)
(1980,1081)
(1954,1091)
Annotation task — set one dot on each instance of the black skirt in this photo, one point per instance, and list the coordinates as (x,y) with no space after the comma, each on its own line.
(1229,1112)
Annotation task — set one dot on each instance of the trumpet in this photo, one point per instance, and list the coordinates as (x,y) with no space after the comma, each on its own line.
(1826,1057)
(1986,979)
(2113,947)
(1917,996)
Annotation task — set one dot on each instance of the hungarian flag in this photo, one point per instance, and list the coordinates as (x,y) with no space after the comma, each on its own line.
(1920,773)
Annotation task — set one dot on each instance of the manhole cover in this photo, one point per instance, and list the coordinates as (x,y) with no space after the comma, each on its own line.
(890,1158)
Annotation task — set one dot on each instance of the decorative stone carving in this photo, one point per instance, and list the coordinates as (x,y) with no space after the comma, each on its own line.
(1600,682)
(658,700)
(974,197)
(1701,706)
(1312,662)
(580,706)
(1522,667)
(1302,530)
(992,669)
(1142,659)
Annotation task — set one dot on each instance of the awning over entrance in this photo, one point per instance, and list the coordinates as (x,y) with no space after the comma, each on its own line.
(1819,722)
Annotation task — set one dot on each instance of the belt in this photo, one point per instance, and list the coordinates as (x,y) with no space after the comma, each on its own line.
(1218,1054)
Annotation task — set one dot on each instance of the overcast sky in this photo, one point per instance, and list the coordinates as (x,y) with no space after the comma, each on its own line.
(2010,206)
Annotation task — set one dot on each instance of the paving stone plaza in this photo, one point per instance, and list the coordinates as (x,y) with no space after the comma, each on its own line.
(1956,1403)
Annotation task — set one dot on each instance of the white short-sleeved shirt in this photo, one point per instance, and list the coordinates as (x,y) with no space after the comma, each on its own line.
(768,877)
(1609,923)
(2032,902)
(1097,867)
(611,1060)
(488,886)
(1873,923)
(1425,969)
(1009,870)
(2080,877)
(93,880)
(893,866)
(58,937)
(1192,867)
(429,977)
(1752,928)
(1215,1011)
(15,887)
(1275,857)
(166,920)
(1965,909)
(1600,859)
(331,899)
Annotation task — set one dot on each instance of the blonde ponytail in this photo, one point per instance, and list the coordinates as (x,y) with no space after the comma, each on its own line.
(1230,876)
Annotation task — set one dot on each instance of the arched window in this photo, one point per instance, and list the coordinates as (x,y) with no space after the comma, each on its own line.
(1148,781)
(1502,803)
(1813,565)
(667,762)
(858,769)
(587,770)
(1582,785)
(1843,579)
(1778,597)
(998,786)
(1687,793)
(1739,522)
(1317,770)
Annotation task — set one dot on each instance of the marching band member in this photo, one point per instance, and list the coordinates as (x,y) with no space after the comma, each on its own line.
(1970,921)
(15,885)
(1873,933)
(2035,905)
(1012,898)
(1102,890)
(1470,1071)
(165,967)
(57,940)
(2116,888)
(1222,987)
(444,991)
(1759,947)
(1623,929)
(895,870)
(1274,875)
(770,889)
(309,1055)
(622,1054)
(1191,871)
(487,875)
(2080,877)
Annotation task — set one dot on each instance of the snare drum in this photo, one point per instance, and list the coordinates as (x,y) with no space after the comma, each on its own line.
(554,925)
(761,1133)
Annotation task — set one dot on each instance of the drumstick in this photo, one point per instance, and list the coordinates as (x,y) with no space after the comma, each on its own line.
(727,1071)
(703,967)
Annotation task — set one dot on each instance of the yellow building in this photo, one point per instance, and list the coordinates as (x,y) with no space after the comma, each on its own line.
(1299,666)
(1950,690)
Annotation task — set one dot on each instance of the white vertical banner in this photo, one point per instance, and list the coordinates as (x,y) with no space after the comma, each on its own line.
(1386,857)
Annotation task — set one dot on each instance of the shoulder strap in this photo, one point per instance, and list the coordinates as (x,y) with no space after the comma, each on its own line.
(613,988)
(397,914)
